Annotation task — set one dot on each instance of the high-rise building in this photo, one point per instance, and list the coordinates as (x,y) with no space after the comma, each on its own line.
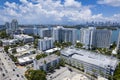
(64,34)
(101,38)
(92,37)
(7,26)
(86,36)
(45,44)
(14,25)
(11,27)
(45,32)
(118,42)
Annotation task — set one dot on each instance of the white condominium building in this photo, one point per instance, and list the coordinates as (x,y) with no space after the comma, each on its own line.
(92,37)
(101,38)
(118,42)
(44,32)
(45,44)
(62,34)
(86,36)
(11,27)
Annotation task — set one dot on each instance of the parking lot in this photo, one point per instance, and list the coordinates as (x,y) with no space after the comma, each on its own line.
(65,73)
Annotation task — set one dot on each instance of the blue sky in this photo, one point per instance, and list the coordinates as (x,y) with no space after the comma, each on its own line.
(59,11)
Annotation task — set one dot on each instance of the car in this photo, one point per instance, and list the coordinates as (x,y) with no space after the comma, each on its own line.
(13,69)
(17,75)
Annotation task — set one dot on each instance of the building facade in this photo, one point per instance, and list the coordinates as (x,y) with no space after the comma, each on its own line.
(45,32)
(29,31)
(46,63)
(11,27)
(101,38)
(9,42)
(92,37)
(45,44)
(90,62)
(86,36)
(24,38)
(118,42)
(62,34)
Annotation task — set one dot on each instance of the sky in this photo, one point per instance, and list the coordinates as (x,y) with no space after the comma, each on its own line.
(59,11)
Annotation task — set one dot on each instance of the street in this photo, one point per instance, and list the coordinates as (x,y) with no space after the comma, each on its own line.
(9,70)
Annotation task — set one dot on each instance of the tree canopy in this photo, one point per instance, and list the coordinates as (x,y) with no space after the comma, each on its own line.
(3,34)
(41,56)
(79,45)
(116,75)
(35,75)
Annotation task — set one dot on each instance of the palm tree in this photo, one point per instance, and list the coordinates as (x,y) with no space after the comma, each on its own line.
(0,43)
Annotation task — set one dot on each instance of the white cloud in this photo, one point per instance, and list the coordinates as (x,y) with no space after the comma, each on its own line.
(50,12)
(115,3)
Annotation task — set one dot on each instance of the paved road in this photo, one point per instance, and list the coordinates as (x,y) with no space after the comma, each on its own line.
(9,71)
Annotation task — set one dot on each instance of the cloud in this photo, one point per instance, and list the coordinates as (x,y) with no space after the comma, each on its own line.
(115,3)
(50,12)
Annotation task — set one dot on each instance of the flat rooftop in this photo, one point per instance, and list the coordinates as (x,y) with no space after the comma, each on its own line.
(52,50)
(45,38)
(22,36)
(9,40)
(47,59)
(26,59)
(22,48)
(90,57)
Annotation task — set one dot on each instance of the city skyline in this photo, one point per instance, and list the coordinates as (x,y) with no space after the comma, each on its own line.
(59,11)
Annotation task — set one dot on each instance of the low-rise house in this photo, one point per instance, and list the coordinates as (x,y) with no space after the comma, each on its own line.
(9,42)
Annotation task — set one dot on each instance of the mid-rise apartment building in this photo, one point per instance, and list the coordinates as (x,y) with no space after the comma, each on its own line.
(46,63)
(90,62)
(45,44)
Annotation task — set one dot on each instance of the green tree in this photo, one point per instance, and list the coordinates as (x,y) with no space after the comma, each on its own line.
(36,37)
(6,48)
(79,45)
(14,59)
(35,43)
(69,43)
(3,34)
(57,44)
(51,69)
(62,62)
(21,43)
(116,75)
(41,56)
(57,53)
(0,43)
(113,45)
(35,75)
(58,66)
(14,51)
